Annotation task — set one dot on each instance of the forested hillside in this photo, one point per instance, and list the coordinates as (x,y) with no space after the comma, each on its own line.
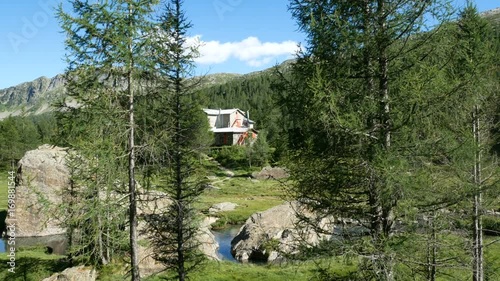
(20,134)
(255,94)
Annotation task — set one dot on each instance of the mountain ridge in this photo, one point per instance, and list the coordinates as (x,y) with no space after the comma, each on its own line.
(35,97)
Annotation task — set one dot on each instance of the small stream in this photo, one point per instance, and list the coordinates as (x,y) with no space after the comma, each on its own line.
(2,246)
(53,244)
(57,244)
(224,237)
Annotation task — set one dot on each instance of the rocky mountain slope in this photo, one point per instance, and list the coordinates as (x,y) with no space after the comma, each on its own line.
(32,96)
(36,96)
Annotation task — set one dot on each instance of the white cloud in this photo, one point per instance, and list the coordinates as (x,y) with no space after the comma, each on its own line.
(250,50)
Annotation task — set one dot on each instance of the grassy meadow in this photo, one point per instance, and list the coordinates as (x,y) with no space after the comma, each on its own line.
(252,196)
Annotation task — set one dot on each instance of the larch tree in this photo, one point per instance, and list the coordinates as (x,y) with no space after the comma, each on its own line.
(475,70)
(105,43)
(459,141)
(350,114)
(180,130)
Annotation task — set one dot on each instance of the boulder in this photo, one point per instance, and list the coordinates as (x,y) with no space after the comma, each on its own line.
(150,202)
(228,173)
(208,244)
(147,264)
(78,273)
(222,207)
(41,175)
(270,173)
(267,236)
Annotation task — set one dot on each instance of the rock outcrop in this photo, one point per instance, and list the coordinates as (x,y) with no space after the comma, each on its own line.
(41,175)
(79,273)
(40,91)
(208,244)
(222,207)
(267,236)
(270,173)
(147,264)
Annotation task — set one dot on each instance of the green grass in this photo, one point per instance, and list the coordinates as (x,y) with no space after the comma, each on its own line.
(251,196)
(453,256)
(492,257)
(31,264)
(4,180)
(229,271)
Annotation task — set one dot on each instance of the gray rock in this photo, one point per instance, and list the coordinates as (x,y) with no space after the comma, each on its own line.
(222,207)
(270,173)
(41,176)
(79,273)
(211,187)
(267,235)
(208,244)
(150,202)
(147,264)
(41,90)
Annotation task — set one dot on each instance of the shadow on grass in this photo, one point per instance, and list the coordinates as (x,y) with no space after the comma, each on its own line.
(31,268)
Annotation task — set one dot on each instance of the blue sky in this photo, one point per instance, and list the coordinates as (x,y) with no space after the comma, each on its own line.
(237,36)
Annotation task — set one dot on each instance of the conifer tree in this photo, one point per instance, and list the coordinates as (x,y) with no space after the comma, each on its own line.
(105,44)
(181,133)
(351,115)
(479,168)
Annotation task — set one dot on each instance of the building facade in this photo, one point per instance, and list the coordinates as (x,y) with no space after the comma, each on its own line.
(231,126)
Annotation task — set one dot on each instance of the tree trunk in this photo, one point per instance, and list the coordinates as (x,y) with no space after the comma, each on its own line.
(178,173)
(71,216)
(384,208)
(478,274)
(132,192)
(134,260)
(431,251)
(100,242)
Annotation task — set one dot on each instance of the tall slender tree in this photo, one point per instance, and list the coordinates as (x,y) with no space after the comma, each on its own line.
(105,43)
(181,130)
(474,70)
(351,116)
